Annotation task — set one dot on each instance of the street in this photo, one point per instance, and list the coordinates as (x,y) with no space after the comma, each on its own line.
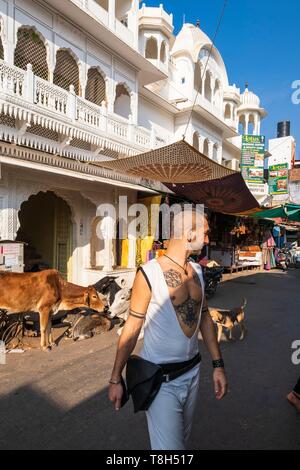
(59,400)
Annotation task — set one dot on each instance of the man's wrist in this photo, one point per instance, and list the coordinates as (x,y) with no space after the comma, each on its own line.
(218,364)
(114,382)
(115,377)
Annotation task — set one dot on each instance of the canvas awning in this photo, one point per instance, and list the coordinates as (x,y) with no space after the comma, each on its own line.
(192,175)
(175,163)
(286,211)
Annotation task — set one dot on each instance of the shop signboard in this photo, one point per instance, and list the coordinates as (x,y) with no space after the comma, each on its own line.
(252,164)
(278,179)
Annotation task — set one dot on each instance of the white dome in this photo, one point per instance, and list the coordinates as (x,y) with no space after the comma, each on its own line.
(190,40)
(249,99)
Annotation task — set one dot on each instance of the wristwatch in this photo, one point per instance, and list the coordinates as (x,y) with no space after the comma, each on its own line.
(218,364)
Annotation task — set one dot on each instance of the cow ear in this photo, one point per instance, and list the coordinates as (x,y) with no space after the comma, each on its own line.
(123,283)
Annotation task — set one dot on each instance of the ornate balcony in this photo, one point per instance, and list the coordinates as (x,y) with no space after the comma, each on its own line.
(39,114)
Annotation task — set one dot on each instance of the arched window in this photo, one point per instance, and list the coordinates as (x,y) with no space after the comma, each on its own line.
(122,105)
(95,88)
(151,51)
(196,140)
(227,111)
(206,148)
(30,49)
(242,125)
(66,71)
(251,125)
(198,78)
(163,52)
(207,87)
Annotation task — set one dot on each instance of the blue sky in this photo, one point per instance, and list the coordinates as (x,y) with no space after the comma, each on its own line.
(259,42)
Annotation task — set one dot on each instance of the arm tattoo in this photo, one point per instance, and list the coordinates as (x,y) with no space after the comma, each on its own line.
(173,278)
(188,312)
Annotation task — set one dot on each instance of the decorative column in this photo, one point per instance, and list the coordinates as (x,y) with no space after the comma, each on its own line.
(108,244)
(246,130)
(111,93)
(219,154)
(29,84)
(201,143)
(256,124)
(72,103)
(210,149)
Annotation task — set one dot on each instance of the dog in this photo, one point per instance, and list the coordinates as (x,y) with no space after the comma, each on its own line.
(227,319)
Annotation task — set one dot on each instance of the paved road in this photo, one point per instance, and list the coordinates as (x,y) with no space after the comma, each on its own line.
(59,400)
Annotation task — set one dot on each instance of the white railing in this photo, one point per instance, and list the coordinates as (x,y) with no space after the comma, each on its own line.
(47,97)
(143,137)
(12,79)
(88,113)
(117,128)
(51,96)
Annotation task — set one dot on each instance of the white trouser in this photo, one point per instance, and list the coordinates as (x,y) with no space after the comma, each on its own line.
(170,416)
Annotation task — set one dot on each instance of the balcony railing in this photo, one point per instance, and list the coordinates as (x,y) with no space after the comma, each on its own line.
(48,100)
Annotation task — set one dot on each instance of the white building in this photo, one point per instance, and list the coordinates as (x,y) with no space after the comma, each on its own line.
(82,81)
(282,151)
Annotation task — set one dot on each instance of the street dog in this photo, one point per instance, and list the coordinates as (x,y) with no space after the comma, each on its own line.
(227,319)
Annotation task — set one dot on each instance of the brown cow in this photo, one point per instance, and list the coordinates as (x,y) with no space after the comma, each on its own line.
(45,292)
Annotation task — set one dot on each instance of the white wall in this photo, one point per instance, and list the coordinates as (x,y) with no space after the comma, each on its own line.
(282,151)
(152,115)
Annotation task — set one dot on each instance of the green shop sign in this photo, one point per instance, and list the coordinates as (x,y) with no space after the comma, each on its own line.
(278,179)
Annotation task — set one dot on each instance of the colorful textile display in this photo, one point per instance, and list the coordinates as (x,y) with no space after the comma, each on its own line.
(268,246)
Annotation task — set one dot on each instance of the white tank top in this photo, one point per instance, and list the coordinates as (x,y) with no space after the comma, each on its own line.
(164,339)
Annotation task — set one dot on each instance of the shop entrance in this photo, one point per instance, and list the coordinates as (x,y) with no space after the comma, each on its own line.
(46,227)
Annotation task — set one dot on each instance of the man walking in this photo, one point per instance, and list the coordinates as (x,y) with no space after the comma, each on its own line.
(168,295)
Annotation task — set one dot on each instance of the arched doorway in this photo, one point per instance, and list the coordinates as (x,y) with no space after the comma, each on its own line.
(46,227)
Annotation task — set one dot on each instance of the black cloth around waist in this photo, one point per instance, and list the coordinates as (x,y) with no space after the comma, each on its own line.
(144,378)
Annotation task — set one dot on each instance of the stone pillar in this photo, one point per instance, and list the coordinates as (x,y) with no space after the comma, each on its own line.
(72,103)
(219,154)
(257,124)
(108,244)
(246,130)
(29,84)
(211,149)
(111,93)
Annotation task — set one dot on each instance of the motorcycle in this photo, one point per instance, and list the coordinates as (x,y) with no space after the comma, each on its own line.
(212,277)
(282,259)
